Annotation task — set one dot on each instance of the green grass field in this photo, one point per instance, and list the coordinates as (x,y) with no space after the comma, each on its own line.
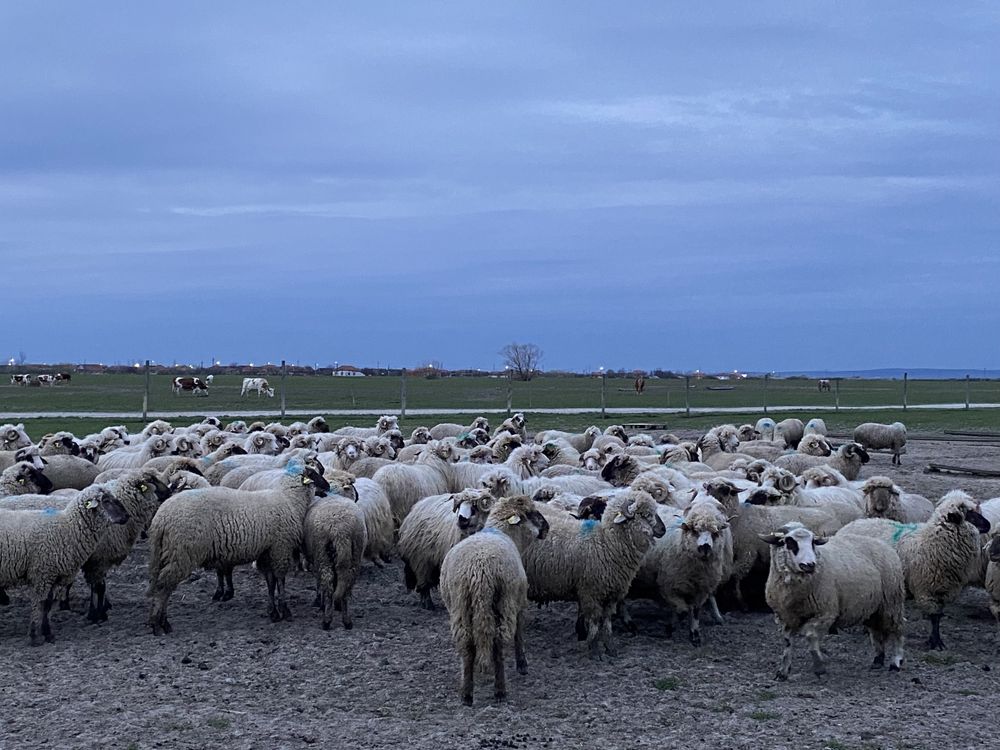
(125,393)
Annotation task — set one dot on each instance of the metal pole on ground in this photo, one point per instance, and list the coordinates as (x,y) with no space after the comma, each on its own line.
(766,376)
(687,395)
(402,393)
(145,395)
(966,391)
(905,385)
(836,391)
(284,372)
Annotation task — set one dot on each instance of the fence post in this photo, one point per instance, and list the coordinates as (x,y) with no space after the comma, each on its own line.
(145,395)
(836,391)
(905,384)
(687,395)
(766,376)
(284,372)
(966,391)
(402,393)
(604,393)
(510,390)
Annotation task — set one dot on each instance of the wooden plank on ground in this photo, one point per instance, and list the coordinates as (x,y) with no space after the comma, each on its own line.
(964,470)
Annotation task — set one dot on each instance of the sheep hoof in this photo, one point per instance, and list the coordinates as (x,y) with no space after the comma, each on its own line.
(781,677)
(878,662)
(500,695)
(286,613)
(522,667)
(935,644)
(227,596)
(467,700)
(275,615)
(49,638)
(326,625)
(893,667)
(4,599)
(695,638)
(167,627)
(217,596)
(349,625)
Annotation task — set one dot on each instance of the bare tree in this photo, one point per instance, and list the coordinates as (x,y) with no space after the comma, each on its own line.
(522,359)
(22,357)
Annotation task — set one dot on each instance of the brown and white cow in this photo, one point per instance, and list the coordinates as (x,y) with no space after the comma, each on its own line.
(196,385)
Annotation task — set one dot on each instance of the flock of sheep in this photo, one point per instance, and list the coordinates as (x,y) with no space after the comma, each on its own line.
(494,520)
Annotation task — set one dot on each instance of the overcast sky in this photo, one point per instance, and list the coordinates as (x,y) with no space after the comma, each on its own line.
(732,185)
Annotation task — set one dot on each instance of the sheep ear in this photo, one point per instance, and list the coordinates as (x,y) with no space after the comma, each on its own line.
(820,540)
(733,517)
(514,520)
(773,538)
(620,517)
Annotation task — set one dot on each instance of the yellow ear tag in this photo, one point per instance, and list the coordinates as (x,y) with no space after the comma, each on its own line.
(306,480)
(514,520)
(21,480)
(619,517)
(143,488)
(90,504)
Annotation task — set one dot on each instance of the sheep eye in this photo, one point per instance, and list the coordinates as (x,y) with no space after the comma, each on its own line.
(792,545)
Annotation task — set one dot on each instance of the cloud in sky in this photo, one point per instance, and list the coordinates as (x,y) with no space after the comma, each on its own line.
(765,187)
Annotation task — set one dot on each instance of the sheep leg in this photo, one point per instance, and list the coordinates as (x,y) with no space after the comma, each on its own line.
(39,619)
(878,641)
(593,642)
(341,593)
(713,608)
(786,657)
(96,612)
(499,675)
(229,585)
(813,636)
(424,589)
(627,622)
(158,612)
(286,613)
(609,646)
(4,598)
(272,608)
(935,642)
(468,669)
(327,610)
(519,658)
(220,588)
(694,624)
(64,601)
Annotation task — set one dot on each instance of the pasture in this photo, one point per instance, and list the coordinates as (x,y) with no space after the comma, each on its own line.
(124,392)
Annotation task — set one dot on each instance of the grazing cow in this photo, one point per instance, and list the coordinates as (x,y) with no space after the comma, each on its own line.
(257,384)
(196,385)
(640,385)
(20,379)
(46,379)
(63,377)
(824,385)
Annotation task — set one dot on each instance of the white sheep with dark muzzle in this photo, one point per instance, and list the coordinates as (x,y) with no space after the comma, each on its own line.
(875,436)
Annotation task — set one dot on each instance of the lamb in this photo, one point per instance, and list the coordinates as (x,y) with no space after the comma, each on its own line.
(317,425)
(219,528)
(121,459)
(13,436)
(450,429)
(789,430)
(580,442)
(380,528)
(593,563)
(854,580)
(848,460)
(883,499)
(938,557)
(873,436)
(23,478)
(385,423)
(406,484)
(435,525)
(815,426)
(484,587)
(683,569)
(45,549)
(334,541)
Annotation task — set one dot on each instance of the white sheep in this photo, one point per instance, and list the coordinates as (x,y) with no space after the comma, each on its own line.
(883,499)
(484,587)
(790,430)
(939,557)
(44,549)
(848,460)
(13,436)
(123,459)
(380,527)
(407,484)
(384,423)
(765,428)
(815,426)
(578,441)
(23,478)
(854,580)
(874,436)
(435,525)
(450,429)
(334,542)
(219,528)
(593,563)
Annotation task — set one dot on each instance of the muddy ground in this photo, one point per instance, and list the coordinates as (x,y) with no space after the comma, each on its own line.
(228,677)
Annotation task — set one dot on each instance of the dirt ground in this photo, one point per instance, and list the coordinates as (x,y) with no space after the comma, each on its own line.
(228,677)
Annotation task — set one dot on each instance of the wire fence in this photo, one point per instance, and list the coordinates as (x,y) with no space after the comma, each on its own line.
(146,391)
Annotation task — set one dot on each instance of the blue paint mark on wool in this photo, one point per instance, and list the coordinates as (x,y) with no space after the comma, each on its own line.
(490,530)
(903,529)
(678,521)
(50,511)
(587,527)
(295,467)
